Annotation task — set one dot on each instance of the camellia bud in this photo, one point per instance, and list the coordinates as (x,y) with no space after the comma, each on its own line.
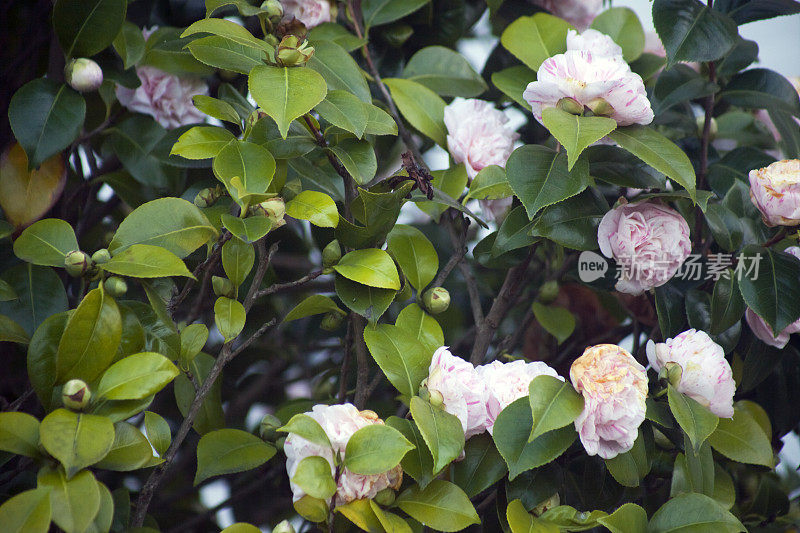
(600,107)
(331,254)
(283,527)
(436,300)
(673,373)
(435,398)
(115,286)
(548,292)
(268,428)
(570,105)
(273,10)
(205,198)
(549,503)
(83,74)
(75,394)
(385,497)
(77,263)
(293,52)
(223,286)
(274,209)
(332,321)
(101,256)
(713,129)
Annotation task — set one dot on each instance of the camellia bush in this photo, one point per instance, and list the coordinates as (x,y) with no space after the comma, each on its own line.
(242,285)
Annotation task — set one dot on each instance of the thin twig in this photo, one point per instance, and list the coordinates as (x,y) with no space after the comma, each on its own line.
(289,284)
(362,360)
(208,264)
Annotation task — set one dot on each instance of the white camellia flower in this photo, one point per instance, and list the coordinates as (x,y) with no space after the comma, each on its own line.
(599,44)
(463,391)
(648,240)
(775,191)
(579,13)
(603,83)
(706,374)
(477,134)
(339,423)
(614,389)
(165,97)
(507,382)
(310,12)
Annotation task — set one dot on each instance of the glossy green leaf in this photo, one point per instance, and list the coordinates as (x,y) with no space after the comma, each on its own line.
(211,415)
(339,70)
(146,261)
(238,258)
(129,44)
(512,81)
(693,513)
(678,85)
(27,512)
(417,463)
(445,72)
(77,440)
(628,518)
(377,12)
(389,521)
(557,321)
(369,302)
(73,502)
(229,316)
(574,132)
(414,253)
(345,110)
(771,291)
(629,468)
(360,513)
(158,432)
(741,439)
(534,39)
(623,26)
(136,376)
(693,31)
(372,267)
(554,404)
(248,229)
(46,242)
(202,142)
(695,420)
(316,207)
(216,108)
(379,122)
(573,222)
(375,449)
(421,107)
(481,467)
(304,426)
(403,359)
(422,326)
(762,88)
(358,158)
(227,54)
(443,432)
(19,434)
(286,93)
(336,33)
(490,184)
(441,506)
(315,304)
(10,331)
(131,450)
(229,30)
(520,521)
(313,475)
(40,294)
(229,450)
(727,304)
(85,27)
(251,163)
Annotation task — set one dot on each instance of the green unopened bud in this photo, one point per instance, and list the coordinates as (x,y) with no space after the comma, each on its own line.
(75,395)
(205,198)
(549,503)
(223,286)
(436,300)
(435,398)
(713,128)
(673,373)
(332,321)
(274,209)
(83,75)
(273,10)
(283,527)
(600,107)
(397,34)
(423,391)
(268,428)
(331,253)
(548,292)
(293,52)
(570,105)
(385,497)
(77,263)
(115,286)
(101,256)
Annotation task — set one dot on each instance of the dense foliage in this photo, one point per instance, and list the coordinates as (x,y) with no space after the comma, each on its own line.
(227,268)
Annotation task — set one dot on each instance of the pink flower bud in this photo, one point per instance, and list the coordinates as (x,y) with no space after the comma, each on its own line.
(310,12)
(775,191)
(764,332)
(83,74)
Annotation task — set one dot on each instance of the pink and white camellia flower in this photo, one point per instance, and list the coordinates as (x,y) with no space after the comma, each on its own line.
(594,41)
(163,96)
(339,423)
(764,332)
(775,191)
(605,84)
(508,382)
(579,13)
(463,391)
(648,240)
(706,377)
(310,12)
(496,210)
(477,135)
(614,388)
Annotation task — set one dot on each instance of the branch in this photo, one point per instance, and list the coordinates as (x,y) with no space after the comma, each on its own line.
(362,360)
(208,264)
(289,285)
(705,140)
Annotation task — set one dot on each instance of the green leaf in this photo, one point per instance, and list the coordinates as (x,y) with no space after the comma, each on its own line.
(158,432)
(658,152)
(90,339)
(313,509)
(40,293)
(223,53)
(744,11)
(573,222)
(146,261)
(512,81)
(450,182)
(514,232)
(695,420)
(414,253)
(313,475)
(422,326)
(629,468)
(211,415)
(172,223)
(45,117)
(10,331)
(628,518)
(619,167)
(371,267)
(339,70)
(727,305)
(86,27)
(251,163)
(539,177)
(534,39)
(73,502)
(576,133)
(512,428)
(369,302)
(286,93)
(316,207)
(248,229)
(129,44)
(136,376)
(345,110)
(772,291)
(238,258)
(228,29)
(417,463)
(554,404)
(557,321)
(377,12)
(762,88)
(445,72)
(316,304)
(693,513)
(358,158)
(693,31)
(361,514)
(131,450)
(693,471)
(490,184)
(403,359)
(623,26)
(379,122)
(443,432)
(202,142)
(421,107)
(27,512)
(678,85)
(226,451)
(77,440)
(19,434)
(229,316)
(41,363)
(482,466)
(389,521)
(216,108)
(46,242)
(741,439)
(375,449)
(335,33)
(520,521)
(304,426)
(441,506)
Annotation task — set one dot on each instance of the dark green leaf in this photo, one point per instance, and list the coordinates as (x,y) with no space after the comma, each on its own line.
(86,27)
(695,420)
(693,513)
(481,467)
(443,432)
(692,31)
(554,404)
(445,72)
(771,289)
(229,450)
(403,359)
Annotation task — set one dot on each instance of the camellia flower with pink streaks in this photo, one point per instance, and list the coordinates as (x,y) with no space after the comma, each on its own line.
(614,389)
(579,13)
(477,134)
(507,382)
(462,389)
(775,191)
(648,240)
(165,97)
(764,332)
(604,84)
(310,12)
(706,374)
(594,41)
(339,423)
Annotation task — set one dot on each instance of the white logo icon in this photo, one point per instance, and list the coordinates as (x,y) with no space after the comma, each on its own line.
(591,266)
